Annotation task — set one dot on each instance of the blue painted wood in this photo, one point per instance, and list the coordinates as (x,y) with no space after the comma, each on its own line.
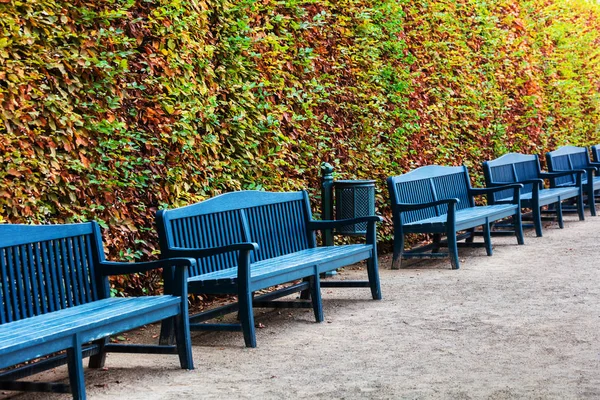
(595,149)
(525,169)
(573,159)
(251,240)
(54,294)
(440,200)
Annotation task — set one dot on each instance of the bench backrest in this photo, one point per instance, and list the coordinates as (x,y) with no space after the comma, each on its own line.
(568,158)
(595,153)
(511,168)
(276,221)
(44,268)
(427,184)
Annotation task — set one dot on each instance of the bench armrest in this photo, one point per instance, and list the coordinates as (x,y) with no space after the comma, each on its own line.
(322,225)
(418,206)
(533,181)
(211,251)
(108,268)
(175,273)
(490,190)
(558,174)
(595,165)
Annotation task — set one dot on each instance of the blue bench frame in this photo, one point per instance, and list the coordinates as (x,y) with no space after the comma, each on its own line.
(573,159)
(439,200)
(54,294)
(250,240)
(525,169)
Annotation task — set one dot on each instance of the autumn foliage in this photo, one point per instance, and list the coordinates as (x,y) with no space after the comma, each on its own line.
(112,109)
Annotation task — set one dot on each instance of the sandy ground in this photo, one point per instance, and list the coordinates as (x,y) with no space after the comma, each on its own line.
(524,323)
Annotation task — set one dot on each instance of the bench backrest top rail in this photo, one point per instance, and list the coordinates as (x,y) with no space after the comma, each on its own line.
(511,168)
(276,221)
(427,184)
(45,268)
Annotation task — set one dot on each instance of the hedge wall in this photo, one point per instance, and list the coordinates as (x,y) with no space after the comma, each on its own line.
(112,109)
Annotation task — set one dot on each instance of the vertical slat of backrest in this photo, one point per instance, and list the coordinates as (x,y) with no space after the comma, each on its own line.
(84,265)
(14,278)
(40,281)
(562,163)
(197,243)
(412,192)
(526,170)
(7,287)
(36,295)
(452,186)
(84,289)
(63,264)
(54,258)
(70,264)
(3,286)
(50,279)
(95,291)
(25,282)
(4,315)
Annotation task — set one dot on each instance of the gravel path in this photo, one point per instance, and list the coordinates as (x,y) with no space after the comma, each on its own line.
(524,323)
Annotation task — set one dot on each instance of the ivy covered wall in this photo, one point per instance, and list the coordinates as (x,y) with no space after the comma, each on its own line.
(112,109)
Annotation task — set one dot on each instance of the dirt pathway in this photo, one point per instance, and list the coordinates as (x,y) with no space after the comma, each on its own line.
(524,323)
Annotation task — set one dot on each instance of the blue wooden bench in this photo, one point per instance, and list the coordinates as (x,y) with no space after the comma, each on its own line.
(439,200)
(54,293)
(571,158)
(525,169)
(248,241)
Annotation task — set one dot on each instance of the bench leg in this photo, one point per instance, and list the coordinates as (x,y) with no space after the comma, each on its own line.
(75,363)
(436,242)
(471,237)
(537,221)
(518,222)
(453,250)
(591,202)
(97,360)
(247,318)
(559,215)
(315,293)
(167,332)
(184,341)
(305,294)
(487,239)
(373,273)
(398,249)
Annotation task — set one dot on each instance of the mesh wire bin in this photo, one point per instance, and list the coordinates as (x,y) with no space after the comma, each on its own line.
(355,198)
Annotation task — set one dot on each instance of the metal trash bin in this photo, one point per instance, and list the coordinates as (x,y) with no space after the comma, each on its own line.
(354,198)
